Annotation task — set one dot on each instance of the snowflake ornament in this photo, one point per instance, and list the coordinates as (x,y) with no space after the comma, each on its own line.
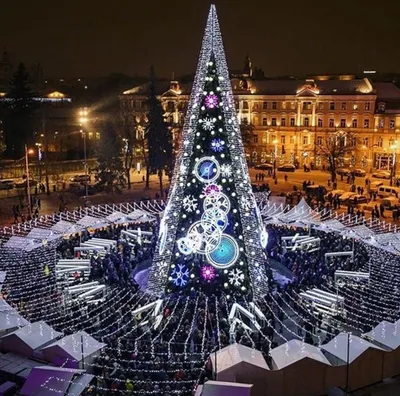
(207,123)
(226,170)
(211,100)
(190,203)
(207,272)
(245,203)
(236,277)
(180,275)
(217,145)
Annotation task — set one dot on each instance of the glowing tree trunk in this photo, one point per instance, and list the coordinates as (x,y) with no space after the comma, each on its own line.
(211,234)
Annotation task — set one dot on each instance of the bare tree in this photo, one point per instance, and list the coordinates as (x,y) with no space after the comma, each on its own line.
(334,146)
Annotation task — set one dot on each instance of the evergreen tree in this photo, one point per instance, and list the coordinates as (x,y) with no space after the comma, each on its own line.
(158,135)
(110,167)
(19,111)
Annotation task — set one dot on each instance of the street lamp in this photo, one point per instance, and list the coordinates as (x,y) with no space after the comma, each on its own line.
(83,119)
(27,152)
(275,142)
(40,156)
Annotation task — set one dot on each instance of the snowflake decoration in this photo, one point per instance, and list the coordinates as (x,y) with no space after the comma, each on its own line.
(217,145)
(180,275)
(190,203)
(211,189)
(226,170)
(207,272)
(211,101)
(236,277)
(208,123)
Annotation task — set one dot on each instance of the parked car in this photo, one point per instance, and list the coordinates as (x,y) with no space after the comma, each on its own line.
(387,191)
(6,184)
(23,183)
(346,196)
(316,191)
(359,172)
(357,198)
(286,168)
(343,171)
(264,167)
(80,178)
(381,175)
(374,185)
(390,202)
(369,207)
(334,193)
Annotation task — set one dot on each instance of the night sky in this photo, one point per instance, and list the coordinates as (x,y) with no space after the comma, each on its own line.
(92,38)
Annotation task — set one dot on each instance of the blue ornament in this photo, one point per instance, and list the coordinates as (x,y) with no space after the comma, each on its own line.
(180,275)
(217,145)
(226,253)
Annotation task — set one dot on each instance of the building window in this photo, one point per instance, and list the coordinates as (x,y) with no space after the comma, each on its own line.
(380,123)
(283,122)
(392,124)
(274,106)
(264,121)
(283,104)
(293,105)
(380,142)
(283,140)
(381,106)
(331,123)
(365,142)
(319,140)
(366,123)
(245,120)
(306,105)
(292,139)
(343,106)
(367,106)
(245,105)
(320,122)
(306,122)
(255,139)
(343,123)
(305,140)
(265,105)
(321,106)
(292,122)
(255,106)
(355,106)
(354,123)
(98,135)
(331,105)
(273,121)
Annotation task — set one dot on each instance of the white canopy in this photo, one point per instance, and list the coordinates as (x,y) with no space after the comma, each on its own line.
(94,222)
(294,351)
(43,233)
(10,318)
(141,215)
(386,334)
(338,347)
(28,338)
(74,347)
(23,243)
(301,213)
(66,227)
(2,278)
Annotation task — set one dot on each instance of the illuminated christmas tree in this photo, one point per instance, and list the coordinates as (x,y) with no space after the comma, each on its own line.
(211,234)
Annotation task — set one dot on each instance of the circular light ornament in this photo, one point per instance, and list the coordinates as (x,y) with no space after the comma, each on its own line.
(226,253)
(216,216)
(211,101)
(212,189)
(185,245)
(205,236)
(217,200)
(264,238)
(207,169)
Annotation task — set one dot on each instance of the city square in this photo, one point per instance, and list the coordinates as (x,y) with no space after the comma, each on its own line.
(224,234)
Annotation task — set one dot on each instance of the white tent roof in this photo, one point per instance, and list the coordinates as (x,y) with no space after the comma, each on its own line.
(43,233)
(34,334)
(141,215)
(237,353)
(9,317)
(294,351)
(338,346)
(22,243)
(90,221)
(2,278)
(72,345)
(301,213)
(386,333)
(116,216)
(66,227)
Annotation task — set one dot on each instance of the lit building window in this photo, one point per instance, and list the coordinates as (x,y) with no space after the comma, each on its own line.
(392,124)
(331,123)
(366,123)
(381,106)
(355,106)
(283,140)
(343,106)
(354,123)
(292,139)
(321,106)
(305,140)
(380,123)
(274,105)
(367,106)
(320,122)
(97,135)
(273,121)
(343,123)
(283,122)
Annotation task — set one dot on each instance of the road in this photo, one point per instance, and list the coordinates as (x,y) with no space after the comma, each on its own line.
(51,203)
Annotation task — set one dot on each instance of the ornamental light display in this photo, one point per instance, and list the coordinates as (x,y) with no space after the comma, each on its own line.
(211,219)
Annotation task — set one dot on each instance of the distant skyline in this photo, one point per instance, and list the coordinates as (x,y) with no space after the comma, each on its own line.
(82,39)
